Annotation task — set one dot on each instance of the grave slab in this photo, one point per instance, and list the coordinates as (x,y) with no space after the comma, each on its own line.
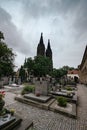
(41,98)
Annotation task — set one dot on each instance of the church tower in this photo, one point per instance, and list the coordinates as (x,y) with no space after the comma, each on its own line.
(49,51)
(41,47)
(49,54)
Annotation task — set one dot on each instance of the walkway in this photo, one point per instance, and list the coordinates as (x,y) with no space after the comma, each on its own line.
(47,120)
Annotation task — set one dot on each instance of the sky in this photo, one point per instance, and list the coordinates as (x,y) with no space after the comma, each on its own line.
(64,22)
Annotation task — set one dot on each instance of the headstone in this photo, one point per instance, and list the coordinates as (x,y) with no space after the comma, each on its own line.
(14,79)
(1,84)
(5,80)
(10,80)
(19,81)
(41,87)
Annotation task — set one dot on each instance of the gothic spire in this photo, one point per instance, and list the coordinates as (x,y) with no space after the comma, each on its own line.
(41,47)
(48,50)
(41,39)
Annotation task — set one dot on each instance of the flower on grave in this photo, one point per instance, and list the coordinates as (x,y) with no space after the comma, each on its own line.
(38,94)
(2,94)
(12,111)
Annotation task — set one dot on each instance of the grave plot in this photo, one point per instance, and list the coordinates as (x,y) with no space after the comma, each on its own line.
(39,97)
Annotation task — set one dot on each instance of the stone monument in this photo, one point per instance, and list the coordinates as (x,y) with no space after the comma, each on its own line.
(41,87)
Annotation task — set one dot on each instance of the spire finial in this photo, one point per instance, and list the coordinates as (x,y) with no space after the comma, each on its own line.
(41,34)
(48,41)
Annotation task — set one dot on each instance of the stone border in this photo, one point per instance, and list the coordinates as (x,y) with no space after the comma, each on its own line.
(13,124)
(63,111)
(38,98)
(49,106)
(25,125)
(35,103)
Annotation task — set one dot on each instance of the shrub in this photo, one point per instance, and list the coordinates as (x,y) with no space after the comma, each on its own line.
(62,101)
(27,89)
(69,88)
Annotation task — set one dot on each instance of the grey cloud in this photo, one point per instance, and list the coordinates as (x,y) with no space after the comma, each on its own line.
(40,8)
(13,37)
(63,33)
(80,23)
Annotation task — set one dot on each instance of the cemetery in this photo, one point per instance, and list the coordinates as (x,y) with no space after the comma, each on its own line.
(41,87)
(42,96)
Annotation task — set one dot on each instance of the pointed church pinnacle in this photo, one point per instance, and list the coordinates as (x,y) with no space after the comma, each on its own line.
(41,34)
(41,39)
(48,43)
(48,40)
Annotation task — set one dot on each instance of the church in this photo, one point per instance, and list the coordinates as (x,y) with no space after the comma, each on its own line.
(41,51)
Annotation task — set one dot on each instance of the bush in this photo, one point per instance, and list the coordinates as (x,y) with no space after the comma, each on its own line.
(69,88)
(62,101)
(27,89)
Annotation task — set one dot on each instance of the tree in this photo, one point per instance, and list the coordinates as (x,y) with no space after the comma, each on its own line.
(6,58)
(29,64)
(41,66)
(1,36)
(58,73)
(67,68)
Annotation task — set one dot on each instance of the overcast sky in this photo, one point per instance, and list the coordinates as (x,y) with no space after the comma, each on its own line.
(64,22)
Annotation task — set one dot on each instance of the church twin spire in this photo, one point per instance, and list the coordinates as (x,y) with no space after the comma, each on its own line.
(49,51)
(41,48)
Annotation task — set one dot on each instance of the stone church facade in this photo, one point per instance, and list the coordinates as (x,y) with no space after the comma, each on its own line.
(83,68)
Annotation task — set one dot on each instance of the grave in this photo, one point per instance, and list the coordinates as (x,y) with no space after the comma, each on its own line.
(41,87)
(58,93)
(41,92)
(6,120)
(9,120)
(19,81)
(40,98)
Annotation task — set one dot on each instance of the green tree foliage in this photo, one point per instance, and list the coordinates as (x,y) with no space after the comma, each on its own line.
(67,68)
(58,73)
(29,64)
(41,66)
(1,36)
(6,59)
